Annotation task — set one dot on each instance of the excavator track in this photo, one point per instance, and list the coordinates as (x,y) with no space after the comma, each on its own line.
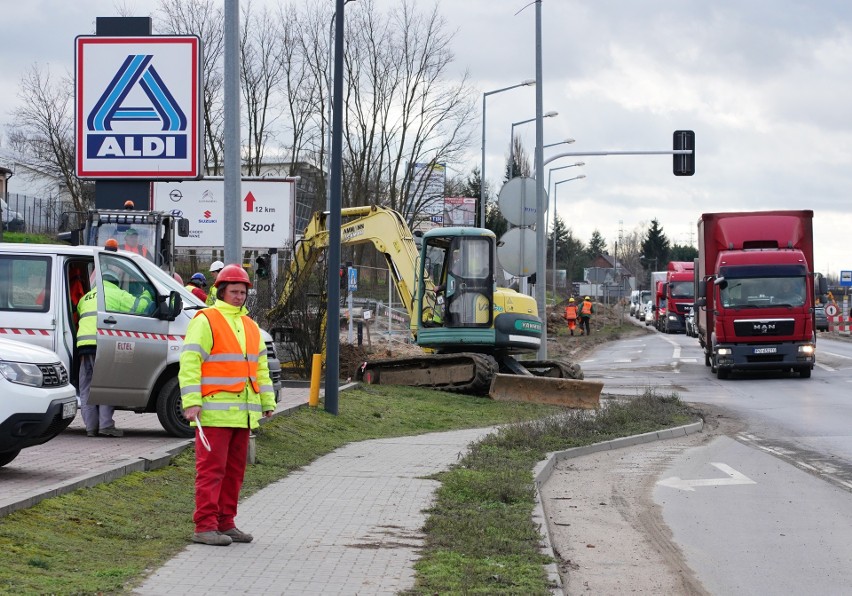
(556,369)
(465,372)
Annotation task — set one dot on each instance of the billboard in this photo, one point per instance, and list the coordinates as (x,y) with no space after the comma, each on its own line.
(137,107)
(459,211)
(266,209)
(426,192)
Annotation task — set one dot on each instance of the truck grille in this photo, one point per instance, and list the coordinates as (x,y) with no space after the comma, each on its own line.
(764,327)
(55,375)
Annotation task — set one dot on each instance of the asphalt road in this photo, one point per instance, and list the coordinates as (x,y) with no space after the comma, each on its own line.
(763,505)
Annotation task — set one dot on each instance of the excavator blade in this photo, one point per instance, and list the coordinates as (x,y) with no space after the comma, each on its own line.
(570,393)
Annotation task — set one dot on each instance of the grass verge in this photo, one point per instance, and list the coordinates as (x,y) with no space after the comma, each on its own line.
(105,539)
(480,538)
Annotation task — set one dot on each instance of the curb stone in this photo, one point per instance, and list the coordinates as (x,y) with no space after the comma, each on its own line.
(544,469)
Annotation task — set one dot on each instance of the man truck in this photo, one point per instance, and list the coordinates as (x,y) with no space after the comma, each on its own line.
(679,296)
(754,291)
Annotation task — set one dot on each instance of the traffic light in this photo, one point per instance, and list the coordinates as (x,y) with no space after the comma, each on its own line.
(344,278)
(684,165)
(262,262)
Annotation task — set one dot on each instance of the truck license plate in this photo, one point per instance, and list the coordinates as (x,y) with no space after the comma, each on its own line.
(69,410)
(765,350)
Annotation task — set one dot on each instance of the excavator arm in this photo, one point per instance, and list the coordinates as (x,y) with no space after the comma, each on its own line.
(384,228)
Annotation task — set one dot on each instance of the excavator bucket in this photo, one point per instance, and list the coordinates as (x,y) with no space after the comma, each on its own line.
(570,393)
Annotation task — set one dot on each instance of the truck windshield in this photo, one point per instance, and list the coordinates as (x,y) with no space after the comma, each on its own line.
(755,292)
(682,289)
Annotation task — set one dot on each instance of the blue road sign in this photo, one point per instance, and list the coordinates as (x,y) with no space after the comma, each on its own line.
(846,278)
(353,279)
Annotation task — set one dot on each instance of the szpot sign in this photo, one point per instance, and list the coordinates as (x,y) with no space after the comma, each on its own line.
(137,107)
(266,209)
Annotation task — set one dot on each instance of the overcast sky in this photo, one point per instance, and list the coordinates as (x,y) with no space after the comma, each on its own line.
(764,84)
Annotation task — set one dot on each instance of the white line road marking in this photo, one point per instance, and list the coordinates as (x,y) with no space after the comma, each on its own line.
(836,355)
(689,360)
(623,361)
(825,367)
(733,478)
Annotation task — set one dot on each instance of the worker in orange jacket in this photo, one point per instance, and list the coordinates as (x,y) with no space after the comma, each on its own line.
(587,309)
(571,315)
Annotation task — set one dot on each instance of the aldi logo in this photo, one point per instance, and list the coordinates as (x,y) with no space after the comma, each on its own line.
(137,107)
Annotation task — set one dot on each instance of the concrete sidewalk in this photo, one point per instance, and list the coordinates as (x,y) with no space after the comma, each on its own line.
(349,523)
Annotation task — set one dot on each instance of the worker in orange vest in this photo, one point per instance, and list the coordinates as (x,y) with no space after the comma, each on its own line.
(225,390)
(131,242)
(587,308)
(571,314)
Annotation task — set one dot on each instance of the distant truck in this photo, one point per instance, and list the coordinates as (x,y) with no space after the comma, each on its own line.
(658,295)
(679,291)
(754,291)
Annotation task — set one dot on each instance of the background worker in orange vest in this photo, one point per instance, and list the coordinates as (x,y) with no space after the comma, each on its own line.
(586,311)
(131,242)
(224,384)
(571,314)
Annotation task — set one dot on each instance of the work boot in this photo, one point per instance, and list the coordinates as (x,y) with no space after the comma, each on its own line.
(213,538)
(111,432)
(238,535)
(92,433)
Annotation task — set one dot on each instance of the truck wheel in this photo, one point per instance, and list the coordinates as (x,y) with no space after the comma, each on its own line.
(723,373)
(805,372)
(8,456)
(170,412)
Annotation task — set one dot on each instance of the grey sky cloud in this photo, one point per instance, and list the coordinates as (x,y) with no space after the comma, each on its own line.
(764,83)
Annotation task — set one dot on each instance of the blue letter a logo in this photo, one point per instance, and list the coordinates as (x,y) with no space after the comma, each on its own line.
(137,69)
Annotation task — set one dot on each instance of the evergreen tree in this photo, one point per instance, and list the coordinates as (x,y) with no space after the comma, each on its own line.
(597,245)
(682,252)
(655,249)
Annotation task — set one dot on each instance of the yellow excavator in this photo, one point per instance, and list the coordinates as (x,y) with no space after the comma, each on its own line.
(471,330)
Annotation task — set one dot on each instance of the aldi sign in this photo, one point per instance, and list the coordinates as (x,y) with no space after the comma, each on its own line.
(137,107)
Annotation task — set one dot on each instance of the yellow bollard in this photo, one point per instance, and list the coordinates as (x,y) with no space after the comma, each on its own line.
(316,371)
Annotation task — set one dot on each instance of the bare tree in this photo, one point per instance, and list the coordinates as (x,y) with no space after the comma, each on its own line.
(403,109)
(260,73)
(42,132)
(203,18)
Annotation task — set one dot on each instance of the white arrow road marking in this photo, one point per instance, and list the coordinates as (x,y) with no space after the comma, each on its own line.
(733,478)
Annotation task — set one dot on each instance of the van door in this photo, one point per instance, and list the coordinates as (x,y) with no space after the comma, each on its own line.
(132,341)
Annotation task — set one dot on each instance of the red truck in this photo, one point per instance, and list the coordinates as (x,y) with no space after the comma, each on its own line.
(754,291)
(679,292)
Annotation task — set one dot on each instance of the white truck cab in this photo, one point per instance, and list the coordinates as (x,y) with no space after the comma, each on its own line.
(137,352)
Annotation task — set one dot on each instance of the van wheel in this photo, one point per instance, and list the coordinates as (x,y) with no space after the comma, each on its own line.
(170,411)
(8,456)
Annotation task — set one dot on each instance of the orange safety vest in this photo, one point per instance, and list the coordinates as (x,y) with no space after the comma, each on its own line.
(571,312)
(586,308)
(226,368)
(139,249)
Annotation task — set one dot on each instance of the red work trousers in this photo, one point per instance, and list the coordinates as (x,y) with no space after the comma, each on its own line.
(219,477)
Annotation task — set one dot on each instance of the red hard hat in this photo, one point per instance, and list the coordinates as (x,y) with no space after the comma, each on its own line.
(232,274)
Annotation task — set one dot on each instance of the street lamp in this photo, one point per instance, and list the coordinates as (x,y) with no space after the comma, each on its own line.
(643,258)
(555,187)
(526,83)
(567,141)
(550,114)
(328,77)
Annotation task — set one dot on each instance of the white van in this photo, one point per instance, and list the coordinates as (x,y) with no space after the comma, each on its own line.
(37,401)
(137,357)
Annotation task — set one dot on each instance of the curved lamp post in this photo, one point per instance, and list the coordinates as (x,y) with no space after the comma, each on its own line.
(555,187)
(550,114)
(526,83)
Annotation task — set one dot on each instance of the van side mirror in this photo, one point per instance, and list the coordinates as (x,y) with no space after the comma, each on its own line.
(170,306)
(183,227)
(823,286)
